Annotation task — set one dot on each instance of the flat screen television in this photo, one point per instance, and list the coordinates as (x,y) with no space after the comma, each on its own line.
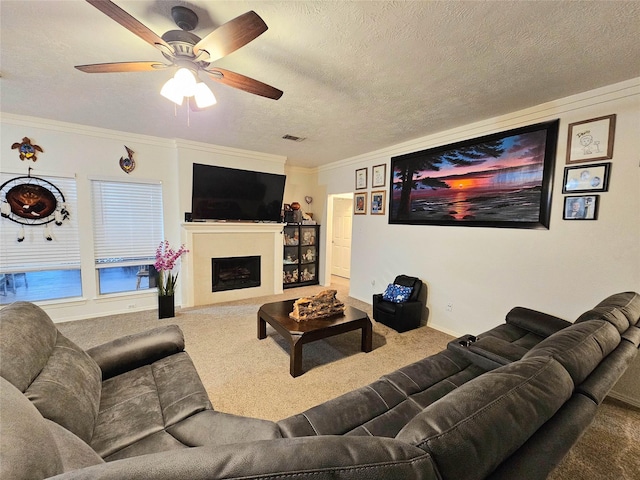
(221,193)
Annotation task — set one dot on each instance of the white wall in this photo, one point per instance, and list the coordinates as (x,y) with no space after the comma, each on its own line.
(484,272)
(87,152)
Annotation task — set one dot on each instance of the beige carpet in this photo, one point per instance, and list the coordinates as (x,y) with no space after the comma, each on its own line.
(247,376)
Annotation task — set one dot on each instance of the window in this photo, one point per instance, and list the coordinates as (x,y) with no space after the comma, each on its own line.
(127,228)
(39,259)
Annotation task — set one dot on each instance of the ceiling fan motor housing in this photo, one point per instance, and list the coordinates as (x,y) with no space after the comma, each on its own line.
(184,17)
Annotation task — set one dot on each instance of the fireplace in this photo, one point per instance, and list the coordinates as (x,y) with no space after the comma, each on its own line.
(233,273)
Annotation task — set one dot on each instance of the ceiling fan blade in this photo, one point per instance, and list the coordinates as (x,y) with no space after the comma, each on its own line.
(114,12)
(122,67)
(241,82)
(229,37)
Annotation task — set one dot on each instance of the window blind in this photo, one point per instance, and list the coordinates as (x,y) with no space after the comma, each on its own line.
(127,221)
(35,252)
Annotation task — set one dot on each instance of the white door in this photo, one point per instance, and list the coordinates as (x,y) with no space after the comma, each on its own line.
(341,241)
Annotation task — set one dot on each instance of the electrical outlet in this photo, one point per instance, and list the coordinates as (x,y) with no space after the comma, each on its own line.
(373,283)
(131,306)
(449,307)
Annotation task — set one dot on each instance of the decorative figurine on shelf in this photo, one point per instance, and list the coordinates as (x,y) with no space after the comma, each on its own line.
(27,149)
(306,275)
(290,276)
(127,164)
(297,212)
(291,239)
(307,236)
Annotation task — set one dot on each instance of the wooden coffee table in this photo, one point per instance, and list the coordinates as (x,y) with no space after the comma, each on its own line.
(297,334)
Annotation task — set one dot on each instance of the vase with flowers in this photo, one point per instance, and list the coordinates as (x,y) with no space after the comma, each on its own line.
(166,261)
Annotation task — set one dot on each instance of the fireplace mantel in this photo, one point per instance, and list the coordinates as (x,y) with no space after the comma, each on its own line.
(207,240)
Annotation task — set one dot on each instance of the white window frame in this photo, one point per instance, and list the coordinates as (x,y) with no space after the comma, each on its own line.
(130,228)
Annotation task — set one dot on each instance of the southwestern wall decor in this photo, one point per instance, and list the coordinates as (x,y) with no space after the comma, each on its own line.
(498,180)
(127,164)
(32,201)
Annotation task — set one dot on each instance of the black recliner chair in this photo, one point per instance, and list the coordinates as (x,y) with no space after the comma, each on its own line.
(400,316)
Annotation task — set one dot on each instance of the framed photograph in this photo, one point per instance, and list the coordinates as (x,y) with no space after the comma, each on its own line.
(581,207)
(361,178)
(589,178)
(379,175)
(591,140)
(377,202)
(498,180)
(360,203)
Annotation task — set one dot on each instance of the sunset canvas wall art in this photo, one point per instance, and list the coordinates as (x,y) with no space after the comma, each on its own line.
(499,180)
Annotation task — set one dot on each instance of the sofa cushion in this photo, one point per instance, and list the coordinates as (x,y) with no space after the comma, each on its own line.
(27,339)
(345,413)
(320,458)
(514,334)
(210,428)
(74,453)
(470,431)
(627,302)
(132,351)
(431,378)
(580,347)
(383,407)
(28,448)
(61,380)
(621,310)
(145,401)
(539,323)
(67,390)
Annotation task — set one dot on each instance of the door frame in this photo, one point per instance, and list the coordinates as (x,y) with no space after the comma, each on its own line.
(329,234)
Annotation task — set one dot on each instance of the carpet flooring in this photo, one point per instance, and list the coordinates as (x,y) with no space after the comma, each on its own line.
(247,376)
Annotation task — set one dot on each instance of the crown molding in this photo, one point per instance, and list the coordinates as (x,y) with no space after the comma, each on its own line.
(230,151)
(78,129)
(523,117)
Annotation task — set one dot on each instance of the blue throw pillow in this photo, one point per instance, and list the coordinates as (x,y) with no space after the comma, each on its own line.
(397,293)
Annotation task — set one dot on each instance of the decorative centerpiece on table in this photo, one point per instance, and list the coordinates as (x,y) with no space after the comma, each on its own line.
(323,305)
(166,261)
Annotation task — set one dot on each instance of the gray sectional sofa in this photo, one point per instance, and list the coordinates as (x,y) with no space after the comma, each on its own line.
(507,404)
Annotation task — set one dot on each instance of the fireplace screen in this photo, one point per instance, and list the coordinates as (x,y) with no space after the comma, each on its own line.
(232,273)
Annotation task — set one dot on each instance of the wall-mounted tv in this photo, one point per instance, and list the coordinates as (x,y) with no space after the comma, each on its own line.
(221,193)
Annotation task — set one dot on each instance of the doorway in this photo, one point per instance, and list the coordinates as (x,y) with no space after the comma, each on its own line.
(342,219)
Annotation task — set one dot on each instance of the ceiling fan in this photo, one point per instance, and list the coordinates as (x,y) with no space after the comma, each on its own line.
(190,54)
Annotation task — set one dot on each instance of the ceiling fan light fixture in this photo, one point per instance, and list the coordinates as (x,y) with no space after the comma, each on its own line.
(204,96)
(171,91)
(185,81)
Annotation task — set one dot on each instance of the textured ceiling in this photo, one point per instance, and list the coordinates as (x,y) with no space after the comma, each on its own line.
(357,76)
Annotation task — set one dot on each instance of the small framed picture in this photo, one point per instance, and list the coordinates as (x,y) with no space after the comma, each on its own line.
(360,203)
(591,140)
(378,202)
(581,207)
(379,175)
(361,178)
(590,178)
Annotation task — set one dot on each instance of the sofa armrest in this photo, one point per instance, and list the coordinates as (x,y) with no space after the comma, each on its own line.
(312,458)
(536,322)
(133,351)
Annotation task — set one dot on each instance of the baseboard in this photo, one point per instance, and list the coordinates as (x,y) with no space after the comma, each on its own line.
(625,398)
